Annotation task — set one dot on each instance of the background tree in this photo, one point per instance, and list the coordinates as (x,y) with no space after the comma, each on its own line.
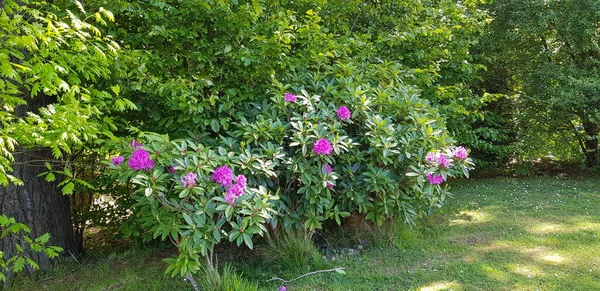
(546,55)
(196,66)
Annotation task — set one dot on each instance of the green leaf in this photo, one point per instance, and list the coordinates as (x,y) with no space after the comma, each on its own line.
(50,177)
(68,189)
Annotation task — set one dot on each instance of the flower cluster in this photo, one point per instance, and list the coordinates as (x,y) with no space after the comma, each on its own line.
(460,153)
(140,160)
(289,97)
(189,180)
(236,190)
(438,159)
(343,113)
(322,147)
(223,175)
(435,179)
(118,160)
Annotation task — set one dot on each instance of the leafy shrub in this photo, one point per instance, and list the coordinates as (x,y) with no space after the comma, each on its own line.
(187,193)
(371,160)
(20,261)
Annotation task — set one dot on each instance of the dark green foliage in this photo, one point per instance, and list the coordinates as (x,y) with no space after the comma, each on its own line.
(195,65)
(546,55)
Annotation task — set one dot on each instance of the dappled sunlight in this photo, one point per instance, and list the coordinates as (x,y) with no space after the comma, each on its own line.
(466,217)
(528,271)
(559,228)
(548,228)
(553,258)
(439,286)
(494,247)
(544,254)
(495,273)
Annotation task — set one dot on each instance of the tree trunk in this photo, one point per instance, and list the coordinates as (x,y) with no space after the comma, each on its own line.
(591,143)
(38,204)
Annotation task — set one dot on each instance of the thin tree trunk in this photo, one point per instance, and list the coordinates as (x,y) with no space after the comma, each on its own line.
(591,143)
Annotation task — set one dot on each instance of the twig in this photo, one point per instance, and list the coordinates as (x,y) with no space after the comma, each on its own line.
(74,258)
(307,274)
(193,282)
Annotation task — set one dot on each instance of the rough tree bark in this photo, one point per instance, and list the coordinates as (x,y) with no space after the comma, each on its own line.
(38,204)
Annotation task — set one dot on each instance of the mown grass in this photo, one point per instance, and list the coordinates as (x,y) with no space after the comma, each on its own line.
(496,234)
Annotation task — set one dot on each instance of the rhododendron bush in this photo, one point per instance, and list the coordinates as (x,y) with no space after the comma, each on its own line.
(191,195)
(357,140)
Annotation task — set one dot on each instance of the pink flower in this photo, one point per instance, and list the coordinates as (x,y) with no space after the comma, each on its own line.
(236,190)
(140,160)
(343,113)
(117,160)
(134,144)
(437,159)
(223,175)
(282,288)
(328,169)
(241,180)
(461,153)
(330,186)
(322,147)
(171,170)
(443,161)
(289,97)
(435,179)
(189,180)
(230,198)
(432,158)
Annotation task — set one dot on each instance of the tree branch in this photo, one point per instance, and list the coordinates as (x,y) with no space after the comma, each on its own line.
(283,281)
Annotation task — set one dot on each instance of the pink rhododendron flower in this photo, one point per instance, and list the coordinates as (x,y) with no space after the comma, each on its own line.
(328,169)
(443,161)
(230,197)
(289,97)
(117,160)
(282,288)
(343,113)
(435,179)
(322,147)
(140,160)
(461,153)
(171,170)
(236,190)
(134,144)
(223,175)
(189,180)
(330,186)
(432,158)
(241,180)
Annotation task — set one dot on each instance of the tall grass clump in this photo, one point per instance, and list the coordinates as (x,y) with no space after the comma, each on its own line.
(293,251)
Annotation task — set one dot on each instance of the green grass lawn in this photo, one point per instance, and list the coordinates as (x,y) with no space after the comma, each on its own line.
(495,234)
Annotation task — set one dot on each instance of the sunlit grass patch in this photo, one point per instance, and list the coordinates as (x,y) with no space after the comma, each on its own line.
(495,234)
(438,286)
